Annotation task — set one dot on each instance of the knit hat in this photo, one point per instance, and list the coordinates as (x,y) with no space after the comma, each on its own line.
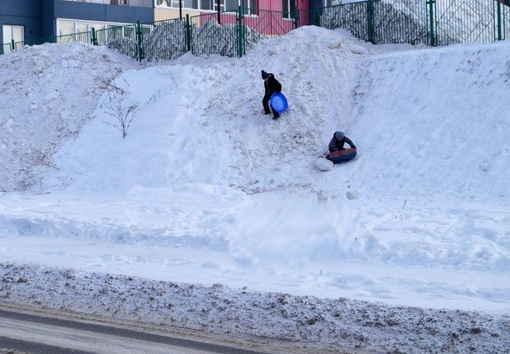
(339,135)
(264,75)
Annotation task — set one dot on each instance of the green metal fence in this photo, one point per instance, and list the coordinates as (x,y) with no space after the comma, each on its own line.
(74,37)
(432,22)
(7,47)
(232,33)
(228,33)
(162,40)
(476,21)
(396,22)
(215,34)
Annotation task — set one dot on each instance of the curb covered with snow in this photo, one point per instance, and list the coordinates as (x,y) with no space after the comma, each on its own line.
(328,323)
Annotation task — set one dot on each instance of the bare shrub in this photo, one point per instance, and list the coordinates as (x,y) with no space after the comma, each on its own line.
(123,111)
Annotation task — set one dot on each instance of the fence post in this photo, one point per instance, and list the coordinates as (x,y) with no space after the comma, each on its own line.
(240,36)
(432,22)
(219,12)
(139,51)
(317,16)
(295,18)
(94,36)
(188,34)
(370,21)
(499,21)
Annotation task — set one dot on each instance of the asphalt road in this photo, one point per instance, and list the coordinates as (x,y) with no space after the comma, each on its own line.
(23,331)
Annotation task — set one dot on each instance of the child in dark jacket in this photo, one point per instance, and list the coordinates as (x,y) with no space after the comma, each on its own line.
(338,141)
(271,85)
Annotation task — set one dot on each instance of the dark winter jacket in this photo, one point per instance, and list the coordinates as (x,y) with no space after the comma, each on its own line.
(271,86)
(335,145)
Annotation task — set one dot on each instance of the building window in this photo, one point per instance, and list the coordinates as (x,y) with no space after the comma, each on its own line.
(70,30)
(288,7)
(231,5)
(190,4)
(139,3)
(328,3)
(13,33)
(206,4)
(222,5)
(249,6)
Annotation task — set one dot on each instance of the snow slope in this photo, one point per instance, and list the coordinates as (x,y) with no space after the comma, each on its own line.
(207,201)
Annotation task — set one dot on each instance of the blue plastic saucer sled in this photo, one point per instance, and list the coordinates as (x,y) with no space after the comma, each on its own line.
(279,102)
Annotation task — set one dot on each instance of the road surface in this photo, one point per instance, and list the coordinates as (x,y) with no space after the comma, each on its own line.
(23,330)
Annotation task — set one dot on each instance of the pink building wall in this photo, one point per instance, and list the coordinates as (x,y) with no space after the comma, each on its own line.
(269,20)
(276,5)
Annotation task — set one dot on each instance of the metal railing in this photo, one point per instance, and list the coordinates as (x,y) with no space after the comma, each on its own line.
(479,21)
(432,22)
(232,33)
(163,40)
(228,33)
